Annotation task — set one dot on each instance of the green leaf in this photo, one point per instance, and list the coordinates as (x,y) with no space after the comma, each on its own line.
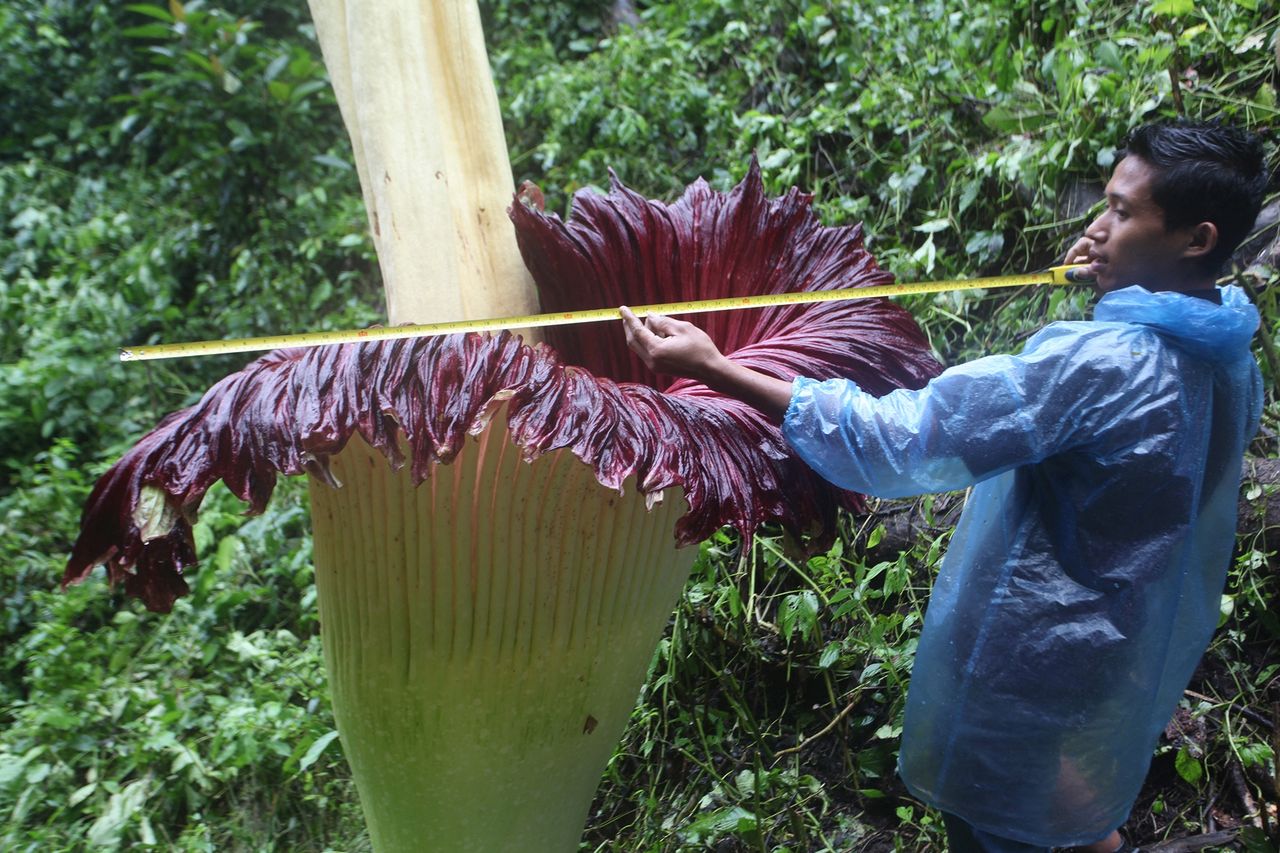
(279,90)
(1265,676)
(302,90)
(1189,34)
(1005,120)
(229,549)
(314,751)
(1188,766)
(799,612)
(927,254)
(199,59)
(151,11)
(775,159)
(1173,8)
(1256,841)
(100,400)
(1256,754)
(231,83)
(81,794)
(333,162)
(147,31)
(888,732)
(277,65)
(60,718)
(734,820)
(12,766)
(106,830)
(1109,55)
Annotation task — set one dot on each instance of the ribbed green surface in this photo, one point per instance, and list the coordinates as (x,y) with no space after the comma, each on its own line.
(486,635)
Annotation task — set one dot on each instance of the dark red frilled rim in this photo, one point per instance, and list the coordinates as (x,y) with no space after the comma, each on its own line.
(290,411)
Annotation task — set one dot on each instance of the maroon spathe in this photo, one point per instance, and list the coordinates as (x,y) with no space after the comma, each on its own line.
(288,412)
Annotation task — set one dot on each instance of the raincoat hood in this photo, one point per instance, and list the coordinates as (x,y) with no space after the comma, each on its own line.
(1217,333)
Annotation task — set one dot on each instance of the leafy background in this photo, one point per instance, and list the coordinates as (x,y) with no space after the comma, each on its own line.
(180,172)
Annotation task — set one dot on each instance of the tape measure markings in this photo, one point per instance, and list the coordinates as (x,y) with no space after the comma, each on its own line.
(1073,274)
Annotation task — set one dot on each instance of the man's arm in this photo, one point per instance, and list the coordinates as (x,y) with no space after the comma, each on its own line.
(682,349)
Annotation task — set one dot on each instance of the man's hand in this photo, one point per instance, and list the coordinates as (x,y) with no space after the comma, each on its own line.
(1079,253)
(682,349)
(672,346)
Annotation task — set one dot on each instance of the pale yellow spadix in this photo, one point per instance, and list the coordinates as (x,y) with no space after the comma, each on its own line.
(413,83)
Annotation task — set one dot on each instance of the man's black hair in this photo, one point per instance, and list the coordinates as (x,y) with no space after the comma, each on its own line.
(1204,172)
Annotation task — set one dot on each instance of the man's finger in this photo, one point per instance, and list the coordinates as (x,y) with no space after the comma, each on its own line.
(640,340)
(1079,252)
(631,326)
(662,325)
(634,325)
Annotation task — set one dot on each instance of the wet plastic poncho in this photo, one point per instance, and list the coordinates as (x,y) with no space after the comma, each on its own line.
(1084,578)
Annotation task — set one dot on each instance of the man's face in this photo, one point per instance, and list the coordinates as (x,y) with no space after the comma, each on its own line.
(1130,242)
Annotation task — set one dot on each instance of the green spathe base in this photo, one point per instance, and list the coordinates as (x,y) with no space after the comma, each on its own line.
(486,635)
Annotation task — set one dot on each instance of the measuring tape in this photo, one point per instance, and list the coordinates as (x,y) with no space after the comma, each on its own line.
(1071,274)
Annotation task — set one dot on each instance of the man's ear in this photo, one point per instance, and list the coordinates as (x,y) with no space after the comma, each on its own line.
(1202,239)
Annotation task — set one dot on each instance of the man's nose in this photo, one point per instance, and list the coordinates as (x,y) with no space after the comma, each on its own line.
(1097,231)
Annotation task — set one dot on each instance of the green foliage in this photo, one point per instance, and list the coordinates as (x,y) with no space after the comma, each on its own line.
(969,140)
(126,729)
(229,109)
(176,171)
(60,63)
(771,714)
(208,230)
(170,172)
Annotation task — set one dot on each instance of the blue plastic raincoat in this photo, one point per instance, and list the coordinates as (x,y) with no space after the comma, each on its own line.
(1084,578)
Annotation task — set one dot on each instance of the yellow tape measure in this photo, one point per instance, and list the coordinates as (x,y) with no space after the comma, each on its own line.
(1072,274)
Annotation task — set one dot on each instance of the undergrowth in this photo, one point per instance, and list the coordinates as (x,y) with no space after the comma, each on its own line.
(149,192)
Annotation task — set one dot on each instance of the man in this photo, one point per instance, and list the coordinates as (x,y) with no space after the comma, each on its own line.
(1083,580)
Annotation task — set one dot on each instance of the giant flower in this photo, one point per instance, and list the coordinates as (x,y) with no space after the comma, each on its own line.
(499,526)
